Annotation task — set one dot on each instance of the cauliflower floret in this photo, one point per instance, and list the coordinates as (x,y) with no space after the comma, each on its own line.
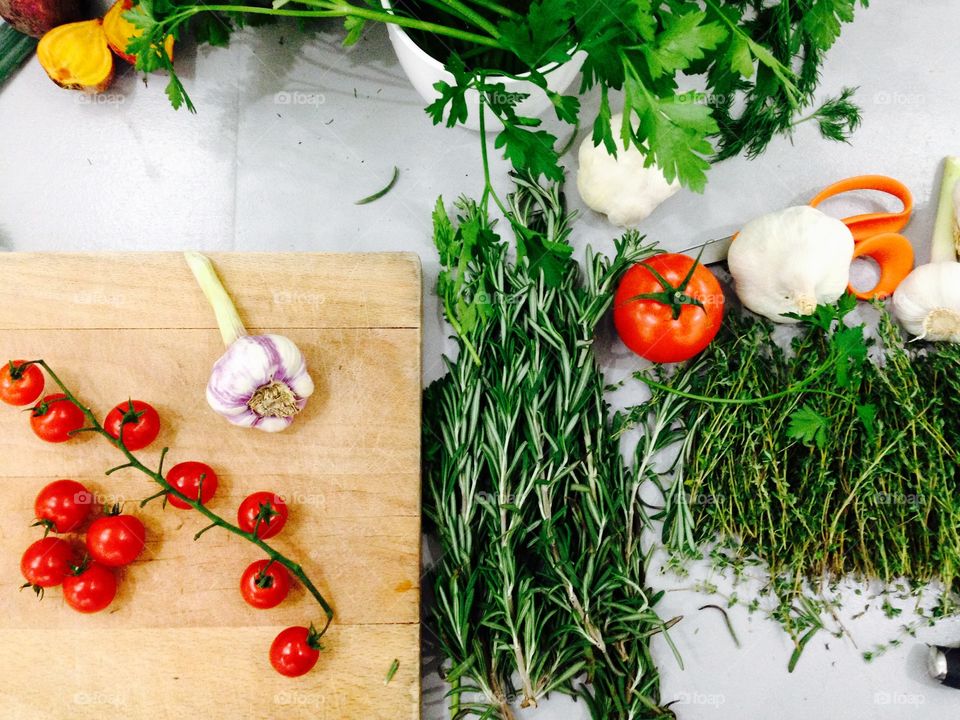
(620,187)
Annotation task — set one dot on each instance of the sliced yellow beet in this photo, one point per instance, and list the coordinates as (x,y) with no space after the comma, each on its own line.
(76,56)
(121,31)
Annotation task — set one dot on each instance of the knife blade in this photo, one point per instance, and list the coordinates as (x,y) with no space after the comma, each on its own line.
(712,251)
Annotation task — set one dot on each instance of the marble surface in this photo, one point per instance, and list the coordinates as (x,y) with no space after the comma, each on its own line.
(292,129)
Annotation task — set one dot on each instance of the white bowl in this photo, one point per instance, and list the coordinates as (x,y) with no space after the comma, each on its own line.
(425,71)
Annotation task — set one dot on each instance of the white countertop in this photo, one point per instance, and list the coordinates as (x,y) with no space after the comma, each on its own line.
(292,129)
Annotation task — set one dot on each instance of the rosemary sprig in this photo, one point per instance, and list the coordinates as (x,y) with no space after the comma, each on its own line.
(542,578)
(96,427)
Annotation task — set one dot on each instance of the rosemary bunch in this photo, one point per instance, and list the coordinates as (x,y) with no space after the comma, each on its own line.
(541,581)
(818,462)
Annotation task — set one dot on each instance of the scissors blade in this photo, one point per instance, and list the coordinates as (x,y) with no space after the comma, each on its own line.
(712,251)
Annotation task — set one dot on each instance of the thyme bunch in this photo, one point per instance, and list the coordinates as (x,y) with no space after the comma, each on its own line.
(847,468)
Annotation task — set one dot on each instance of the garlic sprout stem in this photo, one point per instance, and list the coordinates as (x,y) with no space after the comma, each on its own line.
(228,319)
(945,231)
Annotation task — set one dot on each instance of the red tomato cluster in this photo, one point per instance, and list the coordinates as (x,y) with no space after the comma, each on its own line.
(114,539)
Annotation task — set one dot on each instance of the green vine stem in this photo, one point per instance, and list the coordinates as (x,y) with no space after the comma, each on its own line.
(215,520)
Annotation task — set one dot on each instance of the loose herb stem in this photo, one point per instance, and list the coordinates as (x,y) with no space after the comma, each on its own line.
(215,520)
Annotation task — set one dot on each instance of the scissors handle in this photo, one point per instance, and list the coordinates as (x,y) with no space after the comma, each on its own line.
(870,224)
(893,254)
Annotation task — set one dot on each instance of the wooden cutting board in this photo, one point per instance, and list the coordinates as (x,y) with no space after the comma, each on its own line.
(178,641)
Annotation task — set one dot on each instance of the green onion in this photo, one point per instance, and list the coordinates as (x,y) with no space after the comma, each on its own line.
(945,231)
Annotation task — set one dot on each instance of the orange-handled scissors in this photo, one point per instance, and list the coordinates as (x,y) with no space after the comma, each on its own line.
(875,235)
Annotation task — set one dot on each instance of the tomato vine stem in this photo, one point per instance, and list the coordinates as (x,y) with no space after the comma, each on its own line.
(216,521)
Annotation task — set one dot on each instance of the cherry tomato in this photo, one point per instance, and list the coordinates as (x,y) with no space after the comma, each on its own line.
(265,584)
(20,385)
(63,506)
(271,511)
(55,418)
(46,562)
(186,477)
(672,317)
(140,424)
(116,540)
(295,651)
(91,590)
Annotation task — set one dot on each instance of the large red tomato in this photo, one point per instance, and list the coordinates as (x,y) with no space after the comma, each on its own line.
(668,308)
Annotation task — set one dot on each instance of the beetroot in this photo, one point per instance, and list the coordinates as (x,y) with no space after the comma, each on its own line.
(36,17)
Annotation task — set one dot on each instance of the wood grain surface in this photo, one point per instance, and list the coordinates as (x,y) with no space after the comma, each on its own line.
(179,641)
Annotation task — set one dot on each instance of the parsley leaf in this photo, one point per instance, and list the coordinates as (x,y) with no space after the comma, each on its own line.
(822,20)
(809,427)
(685,38)
(530,151)
(452,95)
(540,37)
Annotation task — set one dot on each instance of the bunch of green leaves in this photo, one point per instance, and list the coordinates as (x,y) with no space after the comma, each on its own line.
(540,584)
(760,61)
(817,461)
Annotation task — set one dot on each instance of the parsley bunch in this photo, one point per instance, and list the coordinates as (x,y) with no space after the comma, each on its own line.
(760,62)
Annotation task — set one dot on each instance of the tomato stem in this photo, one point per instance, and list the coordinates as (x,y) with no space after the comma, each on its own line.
(216,521)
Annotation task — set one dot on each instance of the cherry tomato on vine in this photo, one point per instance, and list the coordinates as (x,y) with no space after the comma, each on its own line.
(267,508)
(63,506)
(138,421)
(668,308)
(46,562)
(116,539)
(91,589)
(295,651)
(264,584)
(20,385)
(55,418)
(187,477)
